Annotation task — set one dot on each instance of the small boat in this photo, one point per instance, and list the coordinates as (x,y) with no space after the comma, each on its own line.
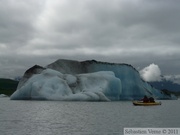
(141,103)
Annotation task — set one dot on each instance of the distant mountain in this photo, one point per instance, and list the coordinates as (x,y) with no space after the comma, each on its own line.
(167,87)
(165,84)
(7,86)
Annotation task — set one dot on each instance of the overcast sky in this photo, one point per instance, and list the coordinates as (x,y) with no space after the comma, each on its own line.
(137,32)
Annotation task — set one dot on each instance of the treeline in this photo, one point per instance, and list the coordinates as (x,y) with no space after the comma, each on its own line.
(7,86)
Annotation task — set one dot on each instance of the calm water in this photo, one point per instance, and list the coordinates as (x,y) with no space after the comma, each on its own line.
(82,118)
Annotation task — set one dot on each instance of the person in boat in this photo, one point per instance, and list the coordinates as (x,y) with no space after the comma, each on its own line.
(145,99)
(151,99)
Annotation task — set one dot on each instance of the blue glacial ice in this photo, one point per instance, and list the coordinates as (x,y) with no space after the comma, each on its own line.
(53,85)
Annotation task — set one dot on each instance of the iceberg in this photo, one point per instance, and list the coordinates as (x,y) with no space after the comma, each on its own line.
(69,80)
(3,95)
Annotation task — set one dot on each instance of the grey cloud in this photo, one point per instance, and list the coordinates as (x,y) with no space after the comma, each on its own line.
(136,32)
(16,25)
(106,27)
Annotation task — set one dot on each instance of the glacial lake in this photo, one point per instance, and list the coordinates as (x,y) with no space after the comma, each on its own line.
(83,118)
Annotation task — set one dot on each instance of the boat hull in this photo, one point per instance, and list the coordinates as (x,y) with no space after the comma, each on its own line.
(139,103)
